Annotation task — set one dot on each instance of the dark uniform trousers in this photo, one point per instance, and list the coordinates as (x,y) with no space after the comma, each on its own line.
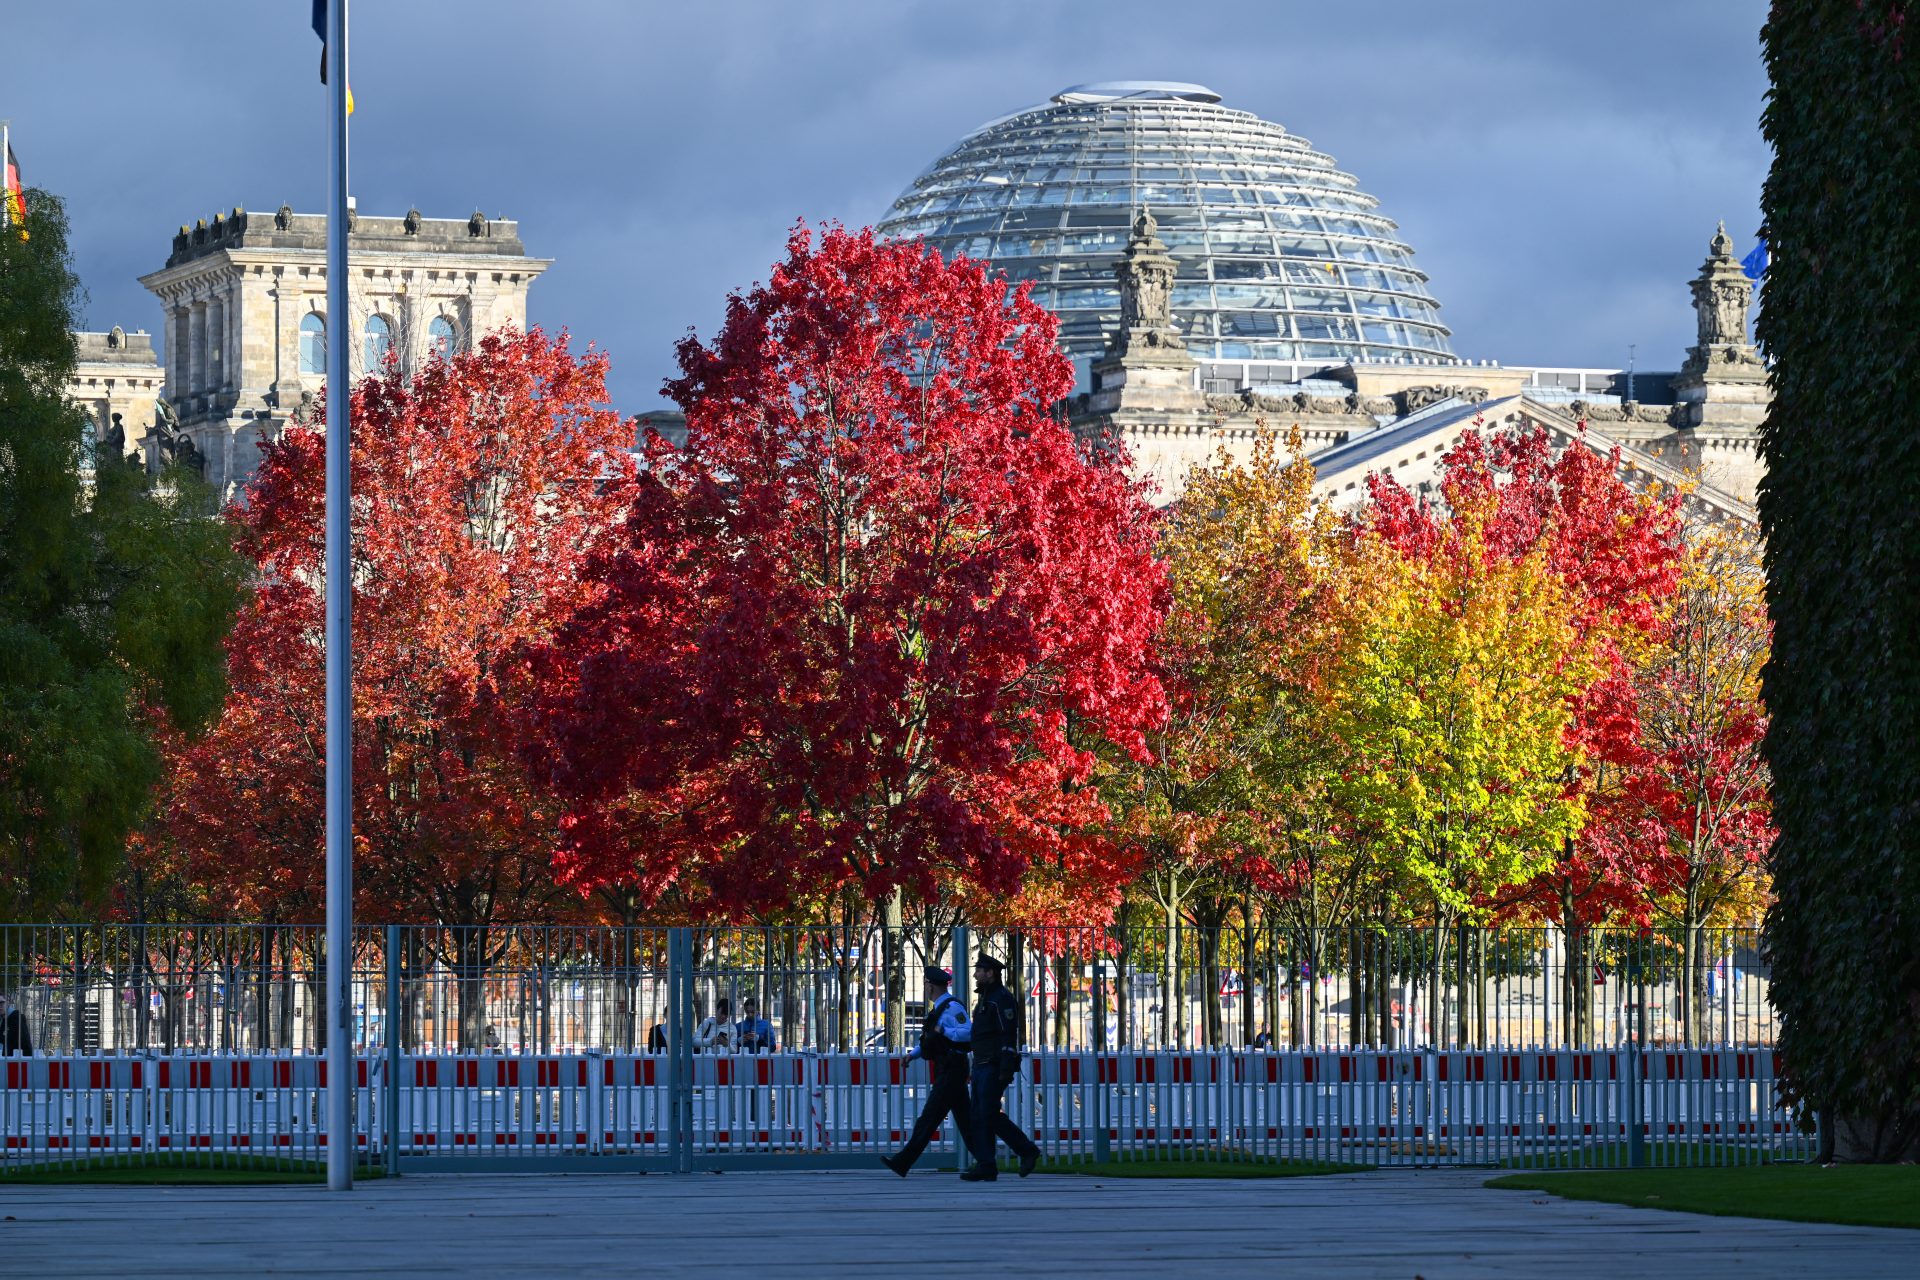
(989,1121)
(948,1096)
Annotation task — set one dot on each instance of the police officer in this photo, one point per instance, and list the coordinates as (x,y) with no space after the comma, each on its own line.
(943,1043)
(996,1060)
(14,1036)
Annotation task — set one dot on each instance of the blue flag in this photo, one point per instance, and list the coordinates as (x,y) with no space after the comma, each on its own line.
(1755,263)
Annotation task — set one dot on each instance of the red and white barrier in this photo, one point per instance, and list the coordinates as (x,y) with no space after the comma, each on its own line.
(1461,1105)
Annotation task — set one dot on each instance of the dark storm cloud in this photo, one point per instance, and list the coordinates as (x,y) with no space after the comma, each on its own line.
(1558,167)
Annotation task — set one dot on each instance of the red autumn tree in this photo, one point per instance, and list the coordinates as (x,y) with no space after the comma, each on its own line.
(481,483)
(1618,554)
(1704,794)
(859,623)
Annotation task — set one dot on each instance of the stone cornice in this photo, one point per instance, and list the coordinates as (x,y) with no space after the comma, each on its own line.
(227,261)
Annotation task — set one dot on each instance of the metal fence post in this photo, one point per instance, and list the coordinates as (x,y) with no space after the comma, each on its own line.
(680,1049)
(1101,1148)
(393,1051)
(1636,1140)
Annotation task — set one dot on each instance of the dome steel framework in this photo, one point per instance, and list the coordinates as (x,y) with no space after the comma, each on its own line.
(1280,256)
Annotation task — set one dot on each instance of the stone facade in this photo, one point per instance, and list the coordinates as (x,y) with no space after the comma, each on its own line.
(1361,418)
(117,381)
(237,291)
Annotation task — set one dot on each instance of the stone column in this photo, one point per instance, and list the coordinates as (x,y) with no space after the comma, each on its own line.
(216,340)
(179,343)
(197,347)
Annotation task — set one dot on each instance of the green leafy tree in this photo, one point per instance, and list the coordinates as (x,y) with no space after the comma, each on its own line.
(1842,684)
(114,595)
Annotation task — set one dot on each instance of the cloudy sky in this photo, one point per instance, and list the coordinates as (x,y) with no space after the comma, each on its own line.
(1557,166)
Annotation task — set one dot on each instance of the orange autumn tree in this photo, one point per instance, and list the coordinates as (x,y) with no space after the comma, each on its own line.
(481,483)
(1219,805)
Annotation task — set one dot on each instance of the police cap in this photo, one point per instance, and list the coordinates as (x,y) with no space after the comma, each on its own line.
(985,961)
(938,977)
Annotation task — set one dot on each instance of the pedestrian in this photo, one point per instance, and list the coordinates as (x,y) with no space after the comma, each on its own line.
(753,1033)
(944,1035)
(14,1036)
(715,1033)
(996,1060)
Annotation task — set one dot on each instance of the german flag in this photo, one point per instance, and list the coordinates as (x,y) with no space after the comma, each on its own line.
(13,196)
(320,29)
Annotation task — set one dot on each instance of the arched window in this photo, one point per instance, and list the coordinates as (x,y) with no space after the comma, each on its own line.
(379,342)
(440,337)
(313,344)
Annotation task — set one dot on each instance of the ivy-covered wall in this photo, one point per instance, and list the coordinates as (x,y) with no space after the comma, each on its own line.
(1840,322)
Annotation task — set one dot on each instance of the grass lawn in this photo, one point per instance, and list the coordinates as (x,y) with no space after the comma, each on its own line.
(1219,1166)
(183,1170)
(1659,1155)
(1857,1194)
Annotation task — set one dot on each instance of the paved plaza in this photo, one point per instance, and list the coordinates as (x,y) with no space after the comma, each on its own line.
(1427,1224)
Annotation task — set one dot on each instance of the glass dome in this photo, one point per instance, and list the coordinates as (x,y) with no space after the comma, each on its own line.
(1281,257)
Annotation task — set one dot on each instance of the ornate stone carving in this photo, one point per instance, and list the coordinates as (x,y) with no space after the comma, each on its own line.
(283,219)
(199,230)
(477,224)
(173,445)
(1248,402)
(1631,411)
(353,219)
(411,222)
(1722,295)
(116,338)
(1414,399)
(1145,276)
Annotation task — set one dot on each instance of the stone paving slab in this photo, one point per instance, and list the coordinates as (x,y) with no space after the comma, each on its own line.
(1436,1225)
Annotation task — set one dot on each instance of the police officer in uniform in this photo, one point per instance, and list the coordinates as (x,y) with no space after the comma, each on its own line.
(996,1060)
(943,1043)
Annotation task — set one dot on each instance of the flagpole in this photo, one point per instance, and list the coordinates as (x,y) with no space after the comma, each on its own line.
(342,1142)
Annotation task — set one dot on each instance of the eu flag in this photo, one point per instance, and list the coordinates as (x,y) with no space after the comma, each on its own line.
(1755,263)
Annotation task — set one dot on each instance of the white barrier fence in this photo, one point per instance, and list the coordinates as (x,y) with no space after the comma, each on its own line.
(1463,1106)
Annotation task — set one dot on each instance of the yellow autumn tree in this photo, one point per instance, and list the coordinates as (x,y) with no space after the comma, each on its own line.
(1240,654)
(1451,709)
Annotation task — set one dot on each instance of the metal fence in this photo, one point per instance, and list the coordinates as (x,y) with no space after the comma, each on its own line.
(1360,1107)
(596,1048)
(256,989)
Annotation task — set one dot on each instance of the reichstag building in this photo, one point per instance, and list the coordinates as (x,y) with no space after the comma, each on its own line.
(1215,276)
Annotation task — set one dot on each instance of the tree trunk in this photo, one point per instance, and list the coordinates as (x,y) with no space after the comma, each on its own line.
(1383,990)
(1062,998)
(847,970)
(264,995)
(893,949)
(1480,988)
(1302,997)
(1207,939)
(1170,995)
(790,960)
(1246,972)
(1356,1016)
(470,969)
